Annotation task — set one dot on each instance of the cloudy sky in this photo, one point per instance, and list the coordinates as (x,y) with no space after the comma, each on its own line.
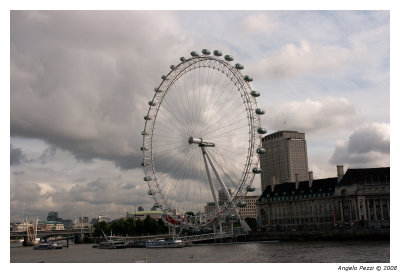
(80,82)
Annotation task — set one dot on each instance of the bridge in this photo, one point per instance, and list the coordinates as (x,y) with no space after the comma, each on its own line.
(51,233)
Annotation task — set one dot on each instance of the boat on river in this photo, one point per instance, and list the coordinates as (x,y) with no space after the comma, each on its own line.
(111,244)
(47,246)
(161,243)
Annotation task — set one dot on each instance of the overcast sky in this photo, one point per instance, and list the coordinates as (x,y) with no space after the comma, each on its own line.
(80,82)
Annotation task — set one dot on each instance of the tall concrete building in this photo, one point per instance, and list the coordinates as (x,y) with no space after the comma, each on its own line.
(285,159)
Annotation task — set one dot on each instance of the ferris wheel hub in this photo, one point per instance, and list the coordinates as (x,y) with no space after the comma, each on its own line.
(201,142)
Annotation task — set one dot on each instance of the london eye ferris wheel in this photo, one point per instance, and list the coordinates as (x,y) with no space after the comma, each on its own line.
(202,140)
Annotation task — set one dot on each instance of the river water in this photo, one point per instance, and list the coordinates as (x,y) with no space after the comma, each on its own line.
(253,252)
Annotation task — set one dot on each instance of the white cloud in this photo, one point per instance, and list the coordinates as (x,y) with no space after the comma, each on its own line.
(313,116)
(258,24)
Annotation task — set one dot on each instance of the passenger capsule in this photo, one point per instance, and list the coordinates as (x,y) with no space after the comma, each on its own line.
(260,111)
(147,178)
(156,89)
(163,77)
(143,148)
(144,133)
(239,66)
(261,151)
(257,170)
(142,164)
(147,118)
(228,58)
(242,204)
(183,59)
(231,217)
(255,93)
(250,188)
(261,130)
(206,52)
(152,103)
(150,193)
(172,66)
(194,54)
(217,53)
(156,205)
(247,78)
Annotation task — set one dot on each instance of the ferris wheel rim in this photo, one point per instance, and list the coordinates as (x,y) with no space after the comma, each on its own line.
(173,76)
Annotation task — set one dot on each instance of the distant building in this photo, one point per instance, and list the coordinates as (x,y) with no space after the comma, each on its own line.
(360,198)
(250,210)
(285,159)
(143,214)
(53,216)
(54,225)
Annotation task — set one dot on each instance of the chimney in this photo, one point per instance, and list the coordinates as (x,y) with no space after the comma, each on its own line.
(310,178)
(340,172)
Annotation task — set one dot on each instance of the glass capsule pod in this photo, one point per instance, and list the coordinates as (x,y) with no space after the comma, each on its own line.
(247,78)
(194,54)
(172,66)
(142,164)
(206,51)
(156,205)
(144,133)
(261,151)
(156,89)
(250,188)
(239,66)
(242,204)
(151,103)
(147,178)
(217,53)
(147,118)
(231,217)
(261,130)
(182,59)
(260,111)
(143,148)
(150,193)
(257,170)
(228,58)
(163,77)
(255,93)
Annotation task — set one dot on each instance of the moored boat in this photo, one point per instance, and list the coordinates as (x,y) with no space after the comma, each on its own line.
(47,246)
(160,243)
(111,244)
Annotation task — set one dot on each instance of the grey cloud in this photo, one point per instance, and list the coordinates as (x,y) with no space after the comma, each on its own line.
(81,80)
(47,154)
(16,156)
(369,145)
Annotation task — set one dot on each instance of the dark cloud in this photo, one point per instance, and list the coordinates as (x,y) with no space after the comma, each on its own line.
(80,81)
(47,154)
(16,156)
(369,145)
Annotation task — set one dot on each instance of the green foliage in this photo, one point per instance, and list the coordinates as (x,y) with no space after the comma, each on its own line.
(131,227)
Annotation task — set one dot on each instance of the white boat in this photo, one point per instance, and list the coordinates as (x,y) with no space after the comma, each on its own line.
(160,243)
(47,246)
(111,244)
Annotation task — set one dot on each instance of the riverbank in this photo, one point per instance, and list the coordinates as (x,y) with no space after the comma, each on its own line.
(320,235)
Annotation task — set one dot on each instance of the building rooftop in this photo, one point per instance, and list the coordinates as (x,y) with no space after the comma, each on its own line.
(326,186)
(366,176)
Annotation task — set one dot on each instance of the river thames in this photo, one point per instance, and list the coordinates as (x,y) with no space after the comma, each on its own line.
(253,252)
